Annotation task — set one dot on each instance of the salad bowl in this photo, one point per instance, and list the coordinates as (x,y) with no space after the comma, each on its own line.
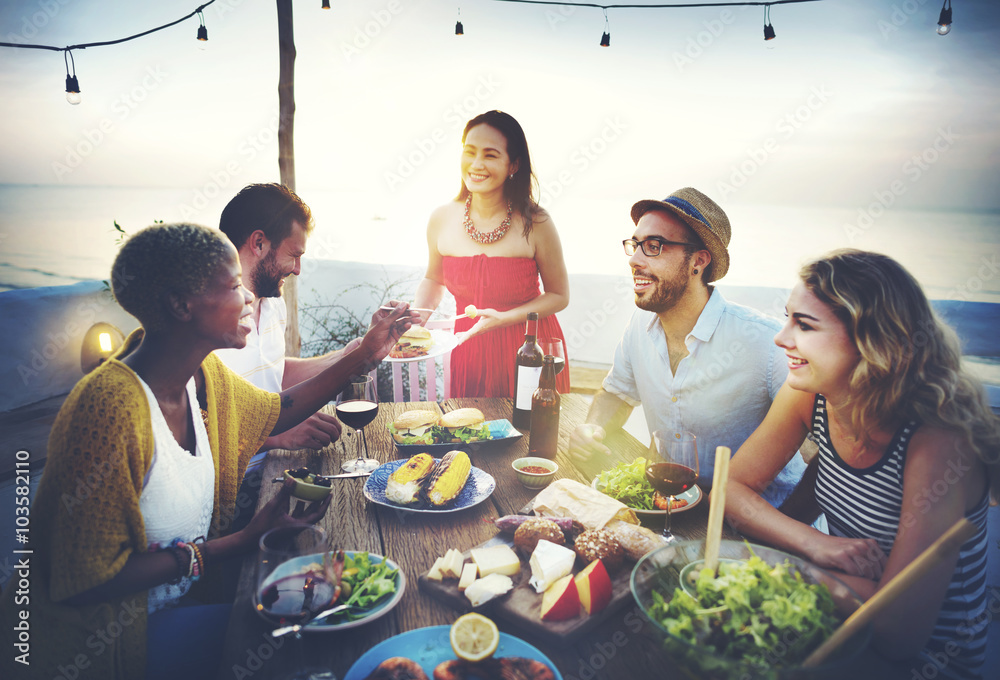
(694,638)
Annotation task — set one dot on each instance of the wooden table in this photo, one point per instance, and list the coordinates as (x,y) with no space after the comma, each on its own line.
(624,646)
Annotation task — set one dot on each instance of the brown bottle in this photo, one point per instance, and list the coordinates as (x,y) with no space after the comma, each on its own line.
(544,438)
(529,368)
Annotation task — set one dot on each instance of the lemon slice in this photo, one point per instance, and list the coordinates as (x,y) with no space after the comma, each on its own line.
(474,637)
(471,311)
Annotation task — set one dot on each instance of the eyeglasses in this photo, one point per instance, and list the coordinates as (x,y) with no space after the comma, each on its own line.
(651,247)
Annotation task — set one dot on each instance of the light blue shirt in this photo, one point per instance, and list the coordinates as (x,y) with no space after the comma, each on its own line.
(722,389)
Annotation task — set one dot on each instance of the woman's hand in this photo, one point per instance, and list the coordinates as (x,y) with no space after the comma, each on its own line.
(487,320)
(275,514)
(854,556)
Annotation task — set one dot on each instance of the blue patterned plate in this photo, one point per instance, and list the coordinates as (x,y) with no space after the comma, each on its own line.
(477,489)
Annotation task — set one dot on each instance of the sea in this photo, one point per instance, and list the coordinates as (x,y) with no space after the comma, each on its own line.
(58,235)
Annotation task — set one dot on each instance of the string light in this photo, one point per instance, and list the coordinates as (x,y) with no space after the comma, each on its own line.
(72,84)
(944,21)
(326,4)
(202,32)
(459,28)
(768,28)
(606,38)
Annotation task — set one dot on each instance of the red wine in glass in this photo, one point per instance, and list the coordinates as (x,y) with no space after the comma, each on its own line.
(295,599)
(670,479)
(357,414)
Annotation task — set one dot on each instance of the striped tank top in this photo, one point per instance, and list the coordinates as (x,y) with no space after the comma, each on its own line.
(866,503)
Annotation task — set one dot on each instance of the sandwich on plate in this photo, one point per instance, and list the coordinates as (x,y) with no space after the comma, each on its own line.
(462,426)
(414,427)
(415,342)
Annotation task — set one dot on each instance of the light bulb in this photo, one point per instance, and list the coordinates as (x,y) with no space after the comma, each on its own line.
(73,90)
(944,29)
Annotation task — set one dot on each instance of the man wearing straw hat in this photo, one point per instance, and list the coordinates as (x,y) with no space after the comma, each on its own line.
(693,360)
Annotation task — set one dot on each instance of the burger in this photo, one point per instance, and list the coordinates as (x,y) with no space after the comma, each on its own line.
(414,427)
(463,425)
(415,342)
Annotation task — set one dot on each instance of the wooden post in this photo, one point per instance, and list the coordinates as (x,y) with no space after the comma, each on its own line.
(286,154)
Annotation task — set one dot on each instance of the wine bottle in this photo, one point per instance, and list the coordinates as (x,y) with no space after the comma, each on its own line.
(529,367)
(544,438)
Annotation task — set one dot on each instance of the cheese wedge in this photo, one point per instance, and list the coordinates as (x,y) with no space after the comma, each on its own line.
(452,565)
(468,576)
(549,563)
(496,559)
(484,589)
(435,573)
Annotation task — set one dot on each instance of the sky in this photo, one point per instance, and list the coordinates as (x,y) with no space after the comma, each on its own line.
(858,101)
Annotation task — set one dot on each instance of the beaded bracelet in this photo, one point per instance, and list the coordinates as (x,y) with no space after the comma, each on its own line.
(200,559)
(177,548)
(194,570)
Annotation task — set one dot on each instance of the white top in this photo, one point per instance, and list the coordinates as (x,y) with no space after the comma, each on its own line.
(178,493)
(262,361)
(723,387)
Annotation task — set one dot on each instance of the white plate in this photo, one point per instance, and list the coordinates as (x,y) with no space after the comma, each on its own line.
(477,489)
(377,610)
(693,496)
(444,342)
(431,646)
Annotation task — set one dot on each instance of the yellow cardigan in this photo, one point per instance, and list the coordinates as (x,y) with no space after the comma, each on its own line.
(85,519)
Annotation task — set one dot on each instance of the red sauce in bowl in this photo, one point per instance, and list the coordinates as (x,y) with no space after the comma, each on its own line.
(535,470)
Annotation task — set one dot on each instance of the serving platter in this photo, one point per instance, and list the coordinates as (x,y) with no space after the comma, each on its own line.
(500,431)
(444,342)
(522,605)
(478,487)
(378,610)
(430,646)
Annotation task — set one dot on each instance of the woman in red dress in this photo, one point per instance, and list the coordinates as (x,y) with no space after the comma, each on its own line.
(488,247)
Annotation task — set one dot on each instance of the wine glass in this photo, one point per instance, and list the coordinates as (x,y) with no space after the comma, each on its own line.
(672,467)
(357,405)
(554,347)
(290,594)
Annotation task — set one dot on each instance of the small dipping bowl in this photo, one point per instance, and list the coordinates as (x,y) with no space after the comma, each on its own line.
(535,480)
(306,491)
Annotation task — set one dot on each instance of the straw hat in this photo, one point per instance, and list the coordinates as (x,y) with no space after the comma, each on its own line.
(701,214)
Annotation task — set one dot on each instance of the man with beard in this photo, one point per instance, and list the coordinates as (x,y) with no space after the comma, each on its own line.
(269,225)
(693,360)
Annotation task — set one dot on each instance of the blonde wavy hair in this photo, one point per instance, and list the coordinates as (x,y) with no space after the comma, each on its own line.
(910,365)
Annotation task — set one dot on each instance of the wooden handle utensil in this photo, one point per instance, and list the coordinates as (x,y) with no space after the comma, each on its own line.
(717,507)
(949,543)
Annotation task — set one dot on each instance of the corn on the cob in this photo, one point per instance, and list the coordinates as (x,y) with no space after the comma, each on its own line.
(405,483)
(448,478)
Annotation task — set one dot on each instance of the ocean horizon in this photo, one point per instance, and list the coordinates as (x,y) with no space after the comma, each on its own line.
(54,235)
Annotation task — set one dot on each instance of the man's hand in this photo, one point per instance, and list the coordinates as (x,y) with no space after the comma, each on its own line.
(315,432)
(387,326)
(585,442)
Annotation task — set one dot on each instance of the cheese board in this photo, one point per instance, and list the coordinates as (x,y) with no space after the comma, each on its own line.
(521,606)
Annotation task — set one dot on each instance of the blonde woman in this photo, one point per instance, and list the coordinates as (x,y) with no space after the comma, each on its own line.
(908,446)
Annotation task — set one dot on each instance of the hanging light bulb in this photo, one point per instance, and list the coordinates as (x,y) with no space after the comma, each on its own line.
(72,84)
(459,28)
(326,4)
(944,21)
(606,38)
(768,28)
(202,33)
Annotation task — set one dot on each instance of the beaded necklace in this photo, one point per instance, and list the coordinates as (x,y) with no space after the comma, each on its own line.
(488,237)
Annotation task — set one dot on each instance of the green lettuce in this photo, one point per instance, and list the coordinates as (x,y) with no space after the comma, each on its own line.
(369,585)
(751,613)
(463,434)
(627,483)
(426,438)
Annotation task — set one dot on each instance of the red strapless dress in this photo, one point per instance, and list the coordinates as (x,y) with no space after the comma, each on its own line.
(483,366)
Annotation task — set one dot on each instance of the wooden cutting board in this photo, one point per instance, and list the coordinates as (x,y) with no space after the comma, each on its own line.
(522,606)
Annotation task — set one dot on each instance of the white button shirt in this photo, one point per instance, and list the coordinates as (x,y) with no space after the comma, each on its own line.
(722,389)
(262,361)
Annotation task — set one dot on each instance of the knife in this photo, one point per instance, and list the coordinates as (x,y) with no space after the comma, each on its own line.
(345,475)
